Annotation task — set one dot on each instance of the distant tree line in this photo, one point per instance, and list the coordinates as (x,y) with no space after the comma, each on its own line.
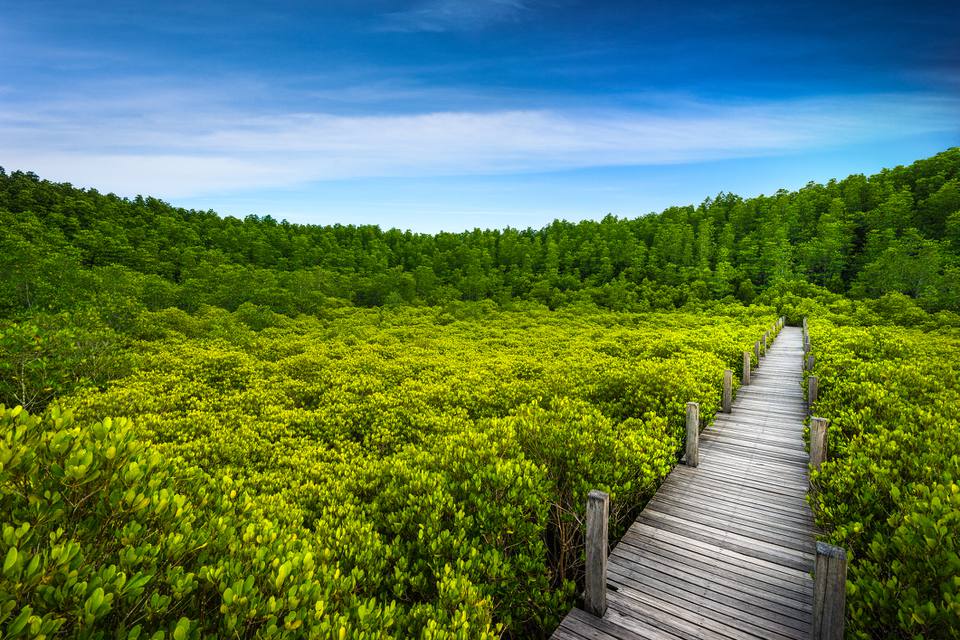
(897,231)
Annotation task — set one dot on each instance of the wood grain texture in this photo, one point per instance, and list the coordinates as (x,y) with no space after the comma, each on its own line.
(725,549)
(818,442)
(595,591)
(693,434)
(829,593)
(812,392)
(727,399)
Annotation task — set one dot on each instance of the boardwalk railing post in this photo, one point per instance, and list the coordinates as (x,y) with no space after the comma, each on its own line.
(595,592)
(727,402)
(756,351)
(811,360)
(765,336)
(693,434)
(746,368)
(818,441)
(812,391)
(829,592)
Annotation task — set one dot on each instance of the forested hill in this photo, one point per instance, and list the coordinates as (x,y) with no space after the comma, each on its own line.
(897,231)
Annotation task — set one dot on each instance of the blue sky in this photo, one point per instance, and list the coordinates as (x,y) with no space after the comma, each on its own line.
(454,114)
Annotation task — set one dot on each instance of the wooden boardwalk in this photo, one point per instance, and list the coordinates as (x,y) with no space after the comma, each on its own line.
(723,550)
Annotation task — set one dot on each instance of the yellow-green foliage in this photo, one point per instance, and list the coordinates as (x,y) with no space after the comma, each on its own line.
(102,536)
(890,493)
(414,473)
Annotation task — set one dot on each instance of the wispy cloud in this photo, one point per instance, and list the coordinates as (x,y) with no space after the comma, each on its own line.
(453,15)
(179,152)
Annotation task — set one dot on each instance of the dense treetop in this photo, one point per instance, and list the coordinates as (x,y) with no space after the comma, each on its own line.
(897,231)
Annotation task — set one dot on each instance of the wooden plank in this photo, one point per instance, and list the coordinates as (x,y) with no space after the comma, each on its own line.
(748,408)
(742,512)
(705,571)
(721,500)
(679,609)
(760,569)
(731,575)
(791,451)
(770,431)
(740,463)
(708,602)
(754,483)
(755,532)
(734,497)
(635,630)
(638,619)
(728,540)
(583,625)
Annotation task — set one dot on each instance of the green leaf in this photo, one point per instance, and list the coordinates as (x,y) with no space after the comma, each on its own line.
(17,624)
(182,631)
(10,561)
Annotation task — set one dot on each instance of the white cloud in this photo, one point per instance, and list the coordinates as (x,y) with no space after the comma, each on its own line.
(147,148)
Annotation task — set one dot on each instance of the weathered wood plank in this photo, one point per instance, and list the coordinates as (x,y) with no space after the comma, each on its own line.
(829,593)
(760,569)
(708,602)
(693,434)
(818,442)
(735,576)
(636,630)
(727,397)
(598,515)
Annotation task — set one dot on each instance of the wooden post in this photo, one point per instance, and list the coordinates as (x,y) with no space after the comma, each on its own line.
(765,336)
(746,368)
(598,513)
(756,351)
(727,404)
(693,434)
(829,592)
(818,441)
(812,390)
(811,360)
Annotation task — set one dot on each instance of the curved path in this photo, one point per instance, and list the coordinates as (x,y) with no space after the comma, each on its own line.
(723,550)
